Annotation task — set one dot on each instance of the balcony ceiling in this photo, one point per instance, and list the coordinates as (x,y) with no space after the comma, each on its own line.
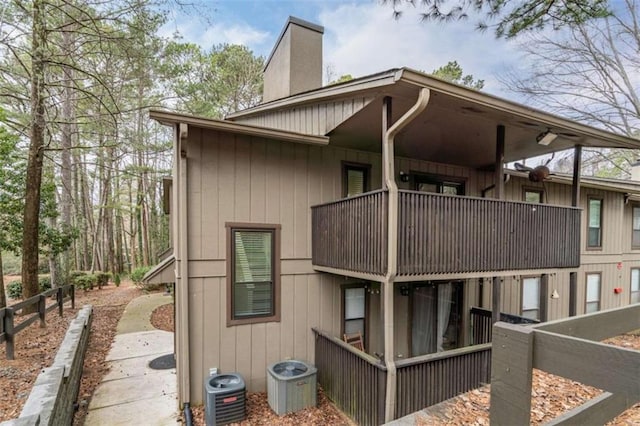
(459,130)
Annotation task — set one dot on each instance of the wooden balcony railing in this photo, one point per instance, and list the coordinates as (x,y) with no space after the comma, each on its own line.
(440,234)
(356,381)
(481,324)
(429,379)
(351,234)
(352,379)
(448,234)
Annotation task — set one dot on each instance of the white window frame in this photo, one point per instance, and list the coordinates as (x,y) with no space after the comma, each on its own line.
(593,278)
(529,308)
(634,287)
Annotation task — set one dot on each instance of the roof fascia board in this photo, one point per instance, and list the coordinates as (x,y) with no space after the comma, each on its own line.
(480,98)
(585,182)
(157,270)
(317,95)
(169,118)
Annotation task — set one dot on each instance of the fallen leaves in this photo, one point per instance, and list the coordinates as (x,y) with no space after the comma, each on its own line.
(259,413)
(551,396)
(36,348)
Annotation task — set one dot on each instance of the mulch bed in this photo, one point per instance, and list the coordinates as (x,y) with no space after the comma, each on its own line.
(35,347)
(551,396)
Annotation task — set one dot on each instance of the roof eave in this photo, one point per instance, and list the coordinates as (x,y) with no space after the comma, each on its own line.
(375,81)
(172,118)
(419,79)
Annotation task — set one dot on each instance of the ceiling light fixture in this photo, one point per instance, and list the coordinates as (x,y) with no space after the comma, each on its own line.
(545,138)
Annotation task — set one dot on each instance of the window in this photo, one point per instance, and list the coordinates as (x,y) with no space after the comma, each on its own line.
(436,310)
(531,298)
(438,184)
(355,178)
(594,232)
(635,241)
(593,293)
(533,195)
(253,273)
(354,310)
(635,285)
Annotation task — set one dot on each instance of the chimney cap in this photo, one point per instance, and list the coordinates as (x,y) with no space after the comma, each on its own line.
(300,23)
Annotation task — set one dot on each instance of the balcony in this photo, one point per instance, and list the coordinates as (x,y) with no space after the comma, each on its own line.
(444,234)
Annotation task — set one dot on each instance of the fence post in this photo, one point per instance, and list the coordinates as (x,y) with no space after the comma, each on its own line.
(60,299)
(42,309)
(72,289)
(8,329)
(511,374)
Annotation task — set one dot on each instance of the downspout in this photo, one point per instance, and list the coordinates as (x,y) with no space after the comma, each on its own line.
(182,290)
(392,240)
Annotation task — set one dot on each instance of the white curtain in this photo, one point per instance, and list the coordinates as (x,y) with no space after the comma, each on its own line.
(444,310)
(423,339)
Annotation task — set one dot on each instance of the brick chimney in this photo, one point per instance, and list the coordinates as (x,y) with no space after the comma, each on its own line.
(295,63)
(635,170)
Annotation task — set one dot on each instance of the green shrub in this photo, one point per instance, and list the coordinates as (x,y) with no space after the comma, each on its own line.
(138,273)
(116,280)
(75,274)
(14,290)
(102,278)
(44,283)
(86,282)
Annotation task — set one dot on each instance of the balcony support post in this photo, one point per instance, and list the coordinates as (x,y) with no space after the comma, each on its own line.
(388,134)
(495,300)
(499,178)
(575,202)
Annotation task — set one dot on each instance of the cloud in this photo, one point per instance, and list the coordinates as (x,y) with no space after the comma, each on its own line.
(361,39)
(209,35)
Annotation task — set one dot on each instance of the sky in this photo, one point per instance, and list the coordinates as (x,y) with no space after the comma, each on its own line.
(361,36)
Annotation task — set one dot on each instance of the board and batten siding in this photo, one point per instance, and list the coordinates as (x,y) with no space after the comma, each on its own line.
(315,119)
(239,178)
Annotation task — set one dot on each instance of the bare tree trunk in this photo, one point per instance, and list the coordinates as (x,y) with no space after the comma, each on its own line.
(3,296)
(66,199)
(86,217)
(35,160)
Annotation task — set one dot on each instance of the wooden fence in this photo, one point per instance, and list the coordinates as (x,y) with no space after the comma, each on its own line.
(481,324)
(429,379)
(356,381)
(568,348)
(8,326)
(352,379)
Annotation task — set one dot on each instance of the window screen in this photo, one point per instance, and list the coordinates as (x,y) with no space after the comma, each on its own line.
(355,179)
(636,228)
(354,310)
(635,286)
(593,293)
(533,196)
(253,275)
(595,223)
(531,298)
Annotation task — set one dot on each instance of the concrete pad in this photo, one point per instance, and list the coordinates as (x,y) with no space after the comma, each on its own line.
(140,344)
(136,316)
(132,367)
(161,411)
(122,391)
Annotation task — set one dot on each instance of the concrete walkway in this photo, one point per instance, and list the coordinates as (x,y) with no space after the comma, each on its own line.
(131,393)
